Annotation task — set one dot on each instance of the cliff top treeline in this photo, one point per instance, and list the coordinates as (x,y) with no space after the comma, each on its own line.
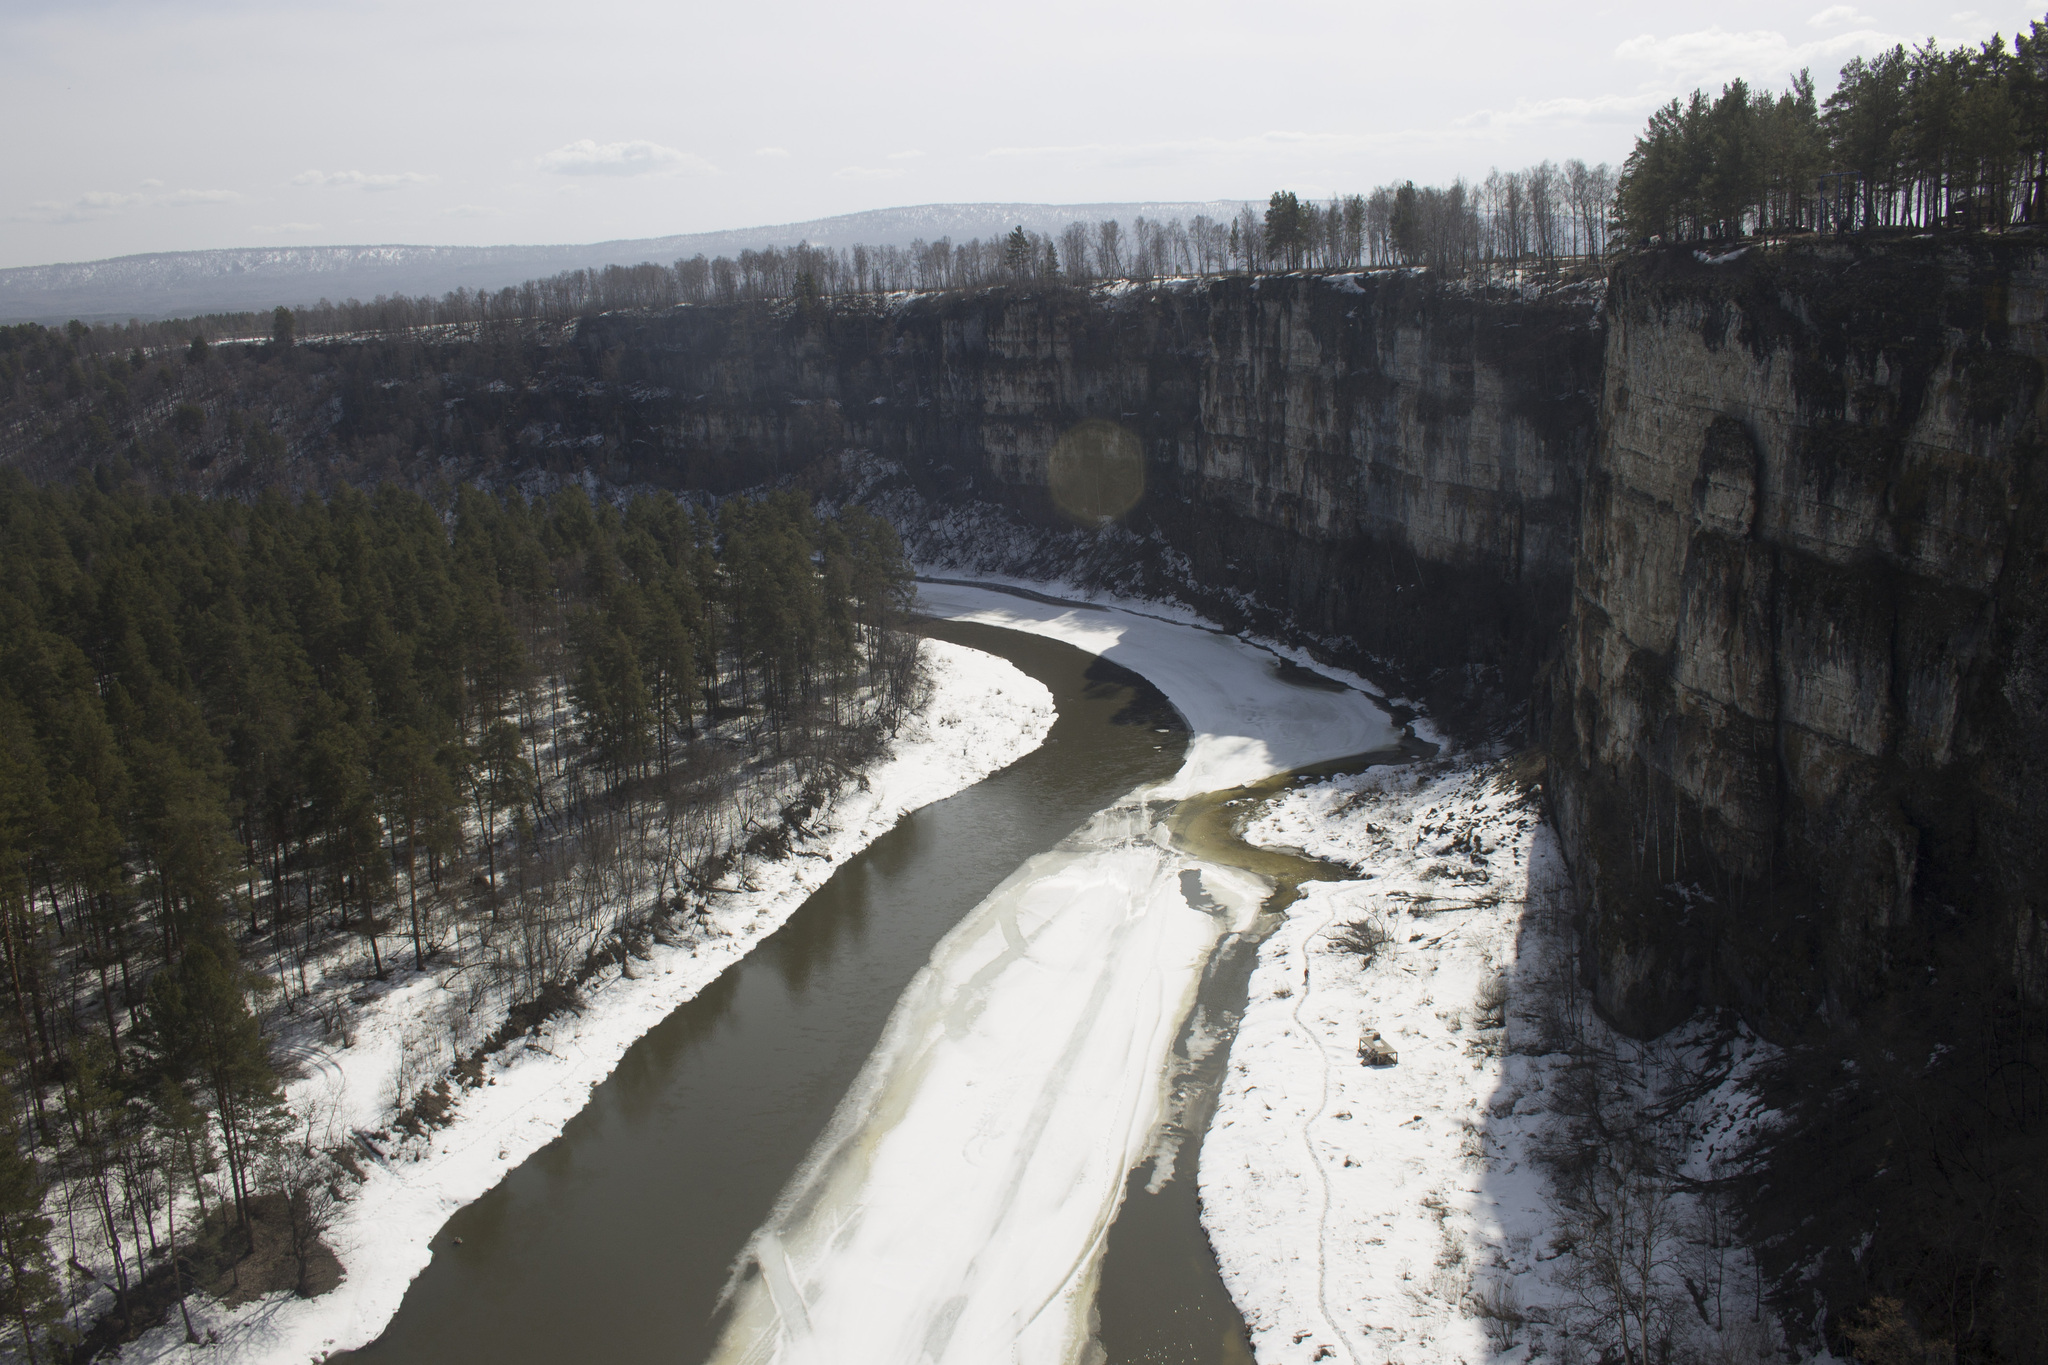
(1536,217)
(1919,138)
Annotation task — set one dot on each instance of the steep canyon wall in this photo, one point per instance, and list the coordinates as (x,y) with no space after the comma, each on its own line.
(1799,721)
(1761,538)
(1387,465)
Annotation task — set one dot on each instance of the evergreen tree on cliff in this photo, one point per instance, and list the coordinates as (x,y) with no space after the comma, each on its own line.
(1017,253)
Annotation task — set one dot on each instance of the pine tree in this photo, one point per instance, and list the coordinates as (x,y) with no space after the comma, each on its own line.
(1017,253)
(420,810)
(29,1297)
(200,1030)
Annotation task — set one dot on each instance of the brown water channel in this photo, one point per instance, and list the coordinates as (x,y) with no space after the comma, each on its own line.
(615,1240)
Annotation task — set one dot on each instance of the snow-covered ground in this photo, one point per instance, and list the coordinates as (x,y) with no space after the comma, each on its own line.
(956,1208)
(983,715)
(1400,1212)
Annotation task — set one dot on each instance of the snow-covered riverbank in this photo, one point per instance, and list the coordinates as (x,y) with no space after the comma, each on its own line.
(1413,1211)
(983,715)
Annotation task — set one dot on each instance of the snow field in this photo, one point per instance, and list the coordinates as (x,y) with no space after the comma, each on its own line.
(983,714)
(1349,1206)
(1398,1213)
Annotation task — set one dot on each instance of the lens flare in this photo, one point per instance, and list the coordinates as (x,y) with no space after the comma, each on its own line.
(1096,472)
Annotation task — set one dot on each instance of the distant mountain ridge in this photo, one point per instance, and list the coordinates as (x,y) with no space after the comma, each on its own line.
(177,283)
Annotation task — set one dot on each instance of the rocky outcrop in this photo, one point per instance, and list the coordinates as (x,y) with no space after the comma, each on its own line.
(1387,465)
(1799,724)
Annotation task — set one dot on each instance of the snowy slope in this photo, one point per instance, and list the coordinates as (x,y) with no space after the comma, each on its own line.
(1403,1213)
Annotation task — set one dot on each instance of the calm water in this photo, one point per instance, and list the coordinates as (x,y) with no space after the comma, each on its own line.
(615,1240)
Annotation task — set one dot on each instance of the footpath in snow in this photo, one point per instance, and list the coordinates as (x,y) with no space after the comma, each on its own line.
(983,715)
(955,1209)
(1408,1211)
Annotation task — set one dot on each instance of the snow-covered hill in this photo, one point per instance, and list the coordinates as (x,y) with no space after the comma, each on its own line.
(176,283)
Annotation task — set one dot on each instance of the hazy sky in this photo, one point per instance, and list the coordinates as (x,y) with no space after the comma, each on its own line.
(176,124)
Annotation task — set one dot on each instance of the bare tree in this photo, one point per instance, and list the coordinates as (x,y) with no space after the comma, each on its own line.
(1354,230)
(1109,248)
(1621,1226)
(1074,250)
(1249,232)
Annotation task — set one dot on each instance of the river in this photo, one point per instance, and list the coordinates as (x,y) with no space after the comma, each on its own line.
(620,1238)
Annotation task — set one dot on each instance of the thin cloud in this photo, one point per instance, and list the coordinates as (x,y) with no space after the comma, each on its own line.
(867,172)
(1567,110)
(284,227)
(470,211)
(1258,145)
(1836,15)
(375,183)
(97,204)
(587,157)
(1717,52)
(904,156)
(771,151)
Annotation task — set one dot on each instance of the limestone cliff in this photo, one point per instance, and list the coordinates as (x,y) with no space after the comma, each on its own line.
(1384,464)
(1800,715)
(1763,536)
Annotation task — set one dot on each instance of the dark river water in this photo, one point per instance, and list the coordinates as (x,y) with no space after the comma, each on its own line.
(615,1240)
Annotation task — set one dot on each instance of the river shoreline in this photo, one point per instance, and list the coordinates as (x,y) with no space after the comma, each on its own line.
(982,715)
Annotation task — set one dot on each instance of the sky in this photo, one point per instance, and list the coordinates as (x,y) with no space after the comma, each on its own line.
(161,125)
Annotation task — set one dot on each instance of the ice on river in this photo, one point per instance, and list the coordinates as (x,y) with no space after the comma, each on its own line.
(1249,721)
(956,1208)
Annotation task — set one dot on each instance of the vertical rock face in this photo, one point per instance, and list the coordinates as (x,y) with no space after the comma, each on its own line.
(1389,465)
(1766,537)
(1798,721)
(1398,463)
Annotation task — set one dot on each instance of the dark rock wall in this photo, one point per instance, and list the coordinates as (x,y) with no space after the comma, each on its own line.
(1764,542)
(1387,465)
(1799,725)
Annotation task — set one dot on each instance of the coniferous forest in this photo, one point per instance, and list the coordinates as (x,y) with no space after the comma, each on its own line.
(1927,137)
(272,749)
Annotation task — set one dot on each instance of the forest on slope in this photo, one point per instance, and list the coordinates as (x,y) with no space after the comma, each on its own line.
(268,748)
